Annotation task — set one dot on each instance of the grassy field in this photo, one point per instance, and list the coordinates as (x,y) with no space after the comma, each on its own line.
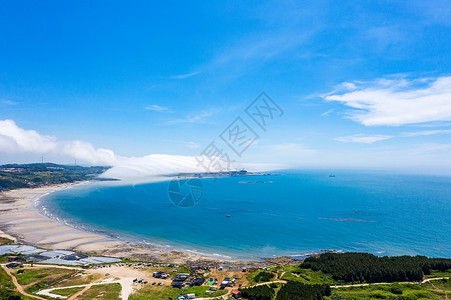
(7,287)
(389,291)
(5,280)
(443,284)
(35,279)
(105,291)
(200,291)
(77,280)
(155,293)
(5,241)
(437,274)
(67,292)
(306,276)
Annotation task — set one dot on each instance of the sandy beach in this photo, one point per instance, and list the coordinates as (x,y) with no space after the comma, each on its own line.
(21,221)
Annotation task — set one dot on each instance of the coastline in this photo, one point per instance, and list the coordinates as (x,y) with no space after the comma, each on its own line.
(21,221)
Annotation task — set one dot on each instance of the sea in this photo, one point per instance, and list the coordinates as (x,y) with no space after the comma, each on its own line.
(285,213)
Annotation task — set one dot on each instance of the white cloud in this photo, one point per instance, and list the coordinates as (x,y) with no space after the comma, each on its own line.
(196,118)
(397,101)
(366,139)
(155,164)
(8,102)
(14,139)
(192,145)
(155,107)
(183,76)
(85,151)
(427,132)
(345,87)
(187,144)
(385,37)
(326,113)
(360,138)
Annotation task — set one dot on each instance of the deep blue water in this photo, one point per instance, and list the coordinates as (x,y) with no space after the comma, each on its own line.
(294,213)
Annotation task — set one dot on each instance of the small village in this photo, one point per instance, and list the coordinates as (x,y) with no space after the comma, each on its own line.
(29,272)
(181,282)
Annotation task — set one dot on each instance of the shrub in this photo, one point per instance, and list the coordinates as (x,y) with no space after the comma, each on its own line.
(261,292)
(297,290)
(264,277)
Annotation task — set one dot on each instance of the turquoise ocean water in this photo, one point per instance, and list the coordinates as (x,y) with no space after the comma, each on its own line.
(292,213)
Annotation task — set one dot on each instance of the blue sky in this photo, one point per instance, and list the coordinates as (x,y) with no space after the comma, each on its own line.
(362,84)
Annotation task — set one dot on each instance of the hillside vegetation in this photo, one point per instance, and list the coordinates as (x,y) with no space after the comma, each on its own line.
(15,176)
(365,267)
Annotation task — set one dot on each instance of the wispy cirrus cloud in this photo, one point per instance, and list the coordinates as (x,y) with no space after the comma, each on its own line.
(369,139)
(396,101)
(155,107)
(427,132)
(186,144)
(361,138)
(191,145)
(255,51)
(326,113)
(8,102)
(183,76)
(200,117)
(386,36)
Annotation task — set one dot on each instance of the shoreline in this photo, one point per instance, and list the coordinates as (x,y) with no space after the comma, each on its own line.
(22,221)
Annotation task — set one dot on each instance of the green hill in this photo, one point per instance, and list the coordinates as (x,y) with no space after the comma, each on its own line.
(15,176)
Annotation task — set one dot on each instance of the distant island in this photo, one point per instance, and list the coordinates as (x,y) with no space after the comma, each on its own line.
(16,176)
(230,173)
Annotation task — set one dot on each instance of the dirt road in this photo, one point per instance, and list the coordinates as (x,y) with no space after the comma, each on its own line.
(19,288)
